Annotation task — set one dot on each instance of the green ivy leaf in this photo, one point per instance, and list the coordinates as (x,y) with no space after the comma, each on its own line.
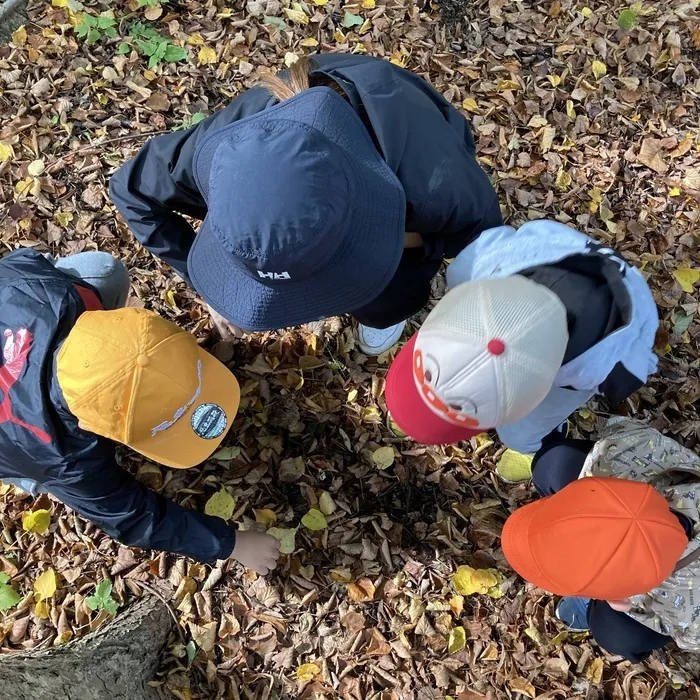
(8,597)
(123,48)
(173,54)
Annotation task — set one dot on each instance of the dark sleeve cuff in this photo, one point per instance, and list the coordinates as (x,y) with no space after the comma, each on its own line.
(620,384)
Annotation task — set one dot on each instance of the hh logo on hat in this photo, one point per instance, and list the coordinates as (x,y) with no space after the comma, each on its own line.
(274,275)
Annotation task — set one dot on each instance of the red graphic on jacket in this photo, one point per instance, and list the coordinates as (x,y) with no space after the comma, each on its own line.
(15,352)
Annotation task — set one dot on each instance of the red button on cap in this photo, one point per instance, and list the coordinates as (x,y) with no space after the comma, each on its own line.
(496,347)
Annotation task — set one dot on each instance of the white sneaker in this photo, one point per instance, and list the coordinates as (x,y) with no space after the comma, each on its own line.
(375,341)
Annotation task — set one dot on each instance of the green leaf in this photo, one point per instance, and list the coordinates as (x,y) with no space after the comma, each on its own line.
(221,505)
(626,20)
(123,48)
(92,602)
(103,22)
(286,537)
(103,589)
(196,118)
(231,452)
(110,605)
(277,22)
(350,20)
(147,47)
(111,32)
(173,54)
(314,520)
(681,322)
(4,578)
(191,649)
(93,36)
(8,597)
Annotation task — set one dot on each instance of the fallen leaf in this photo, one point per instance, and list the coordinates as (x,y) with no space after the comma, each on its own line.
(6,152)
(310,42)
(204,636)
(45,585)
(594,670)
(36,167)
(470,105)
(457,640)
(290,59)
(687,277)
(383,457)
(314,520)
(221,505)
(36,521)
(650,155)
(350,20)
(19,36)
(522,686)
(41,610)
(469,581)
(361,591)
(207,56)
(296,14)
(326,504)
(286,537)
(265,516)
(63,218)
(307,672)
(8,595)
(599,69)
(626,20)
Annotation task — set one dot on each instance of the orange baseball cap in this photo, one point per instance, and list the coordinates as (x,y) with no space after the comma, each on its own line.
(131,376)
(599,537)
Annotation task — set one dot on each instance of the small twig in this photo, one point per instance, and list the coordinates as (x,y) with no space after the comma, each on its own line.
(158,595)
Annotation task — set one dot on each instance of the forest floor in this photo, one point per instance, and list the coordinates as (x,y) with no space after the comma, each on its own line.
(588,114)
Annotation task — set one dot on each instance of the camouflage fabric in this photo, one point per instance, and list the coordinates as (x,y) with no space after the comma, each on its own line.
(628,449)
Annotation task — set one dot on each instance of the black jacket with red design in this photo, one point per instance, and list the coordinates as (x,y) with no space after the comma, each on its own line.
(41,440)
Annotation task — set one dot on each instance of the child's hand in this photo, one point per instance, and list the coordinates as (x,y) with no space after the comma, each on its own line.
(620,605)
(257,551)
(228,331)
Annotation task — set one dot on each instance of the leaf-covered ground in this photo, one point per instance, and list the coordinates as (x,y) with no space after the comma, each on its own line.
(588,114)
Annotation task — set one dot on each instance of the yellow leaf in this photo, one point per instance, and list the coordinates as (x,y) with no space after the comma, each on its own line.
(290,59)
(469,581)
(555,80)
(341,575)
(320,3)
(674,192)
(307,672)
(339,36)
(594,672)
(59,3)
(507,85)
(23,187)
(352,395)
(63,638)
(265,516)
(599,69)
(470,105)
(19,36)
(309,43)
(383,458)
(6,152)
(368,4)
(457,640)
(457,605)
(314,520)
(221,505)
(687,277)
(63,218)
(586,12)
(570,111)
(45,585)
(286,536)
(195,39)
(326,504)
(41,609)
(296,14)
(563,181)
(207,55)
(37,521)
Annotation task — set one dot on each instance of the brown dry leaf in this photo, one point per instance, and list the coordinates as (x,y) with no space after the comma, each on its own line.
(522,686)
(362,590)
(650,155)
(594,670)
(204,636)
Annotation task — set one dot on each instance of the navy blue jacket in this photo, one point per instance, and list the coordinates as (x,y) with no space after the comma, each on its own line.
(40,438)
(424,139)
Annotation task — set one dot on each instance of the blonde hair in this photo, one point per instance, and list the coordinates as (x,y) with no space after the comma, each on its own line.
(297,79)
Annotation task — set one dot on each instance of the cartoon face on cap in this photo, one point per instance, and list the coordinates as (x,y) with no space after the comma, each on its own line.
(457,380)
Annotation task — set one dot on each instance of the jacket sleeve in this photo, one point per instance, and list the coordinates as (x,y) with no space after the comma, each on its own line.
(155,188)
(94,486)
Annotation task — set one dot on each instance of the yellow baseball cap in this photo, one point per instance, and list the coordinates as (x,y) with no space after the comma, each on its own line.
(131,376)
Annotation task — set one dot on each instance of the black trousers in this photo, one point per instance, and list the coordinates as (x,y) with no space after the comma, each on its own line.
(557,463)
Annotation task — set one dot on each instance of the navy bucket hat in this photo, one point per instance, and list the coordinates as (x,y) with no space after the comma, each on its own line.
(305,218)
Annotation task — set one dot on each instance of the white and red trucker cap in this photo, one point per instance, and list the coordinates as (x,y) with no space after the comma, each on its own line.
(486,356)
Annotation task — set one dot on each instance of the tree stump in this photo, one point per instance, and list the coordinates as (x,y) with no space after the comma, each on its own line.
(114,663)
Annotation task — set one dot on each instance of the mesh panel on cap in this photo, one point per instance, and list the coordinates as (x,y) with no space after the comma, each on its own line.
(529,319)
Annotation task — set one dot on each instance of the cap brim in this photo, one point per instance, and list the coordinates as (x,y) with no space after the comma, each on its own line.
(408,410)
(515,543)
(373,235)
(179,446)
